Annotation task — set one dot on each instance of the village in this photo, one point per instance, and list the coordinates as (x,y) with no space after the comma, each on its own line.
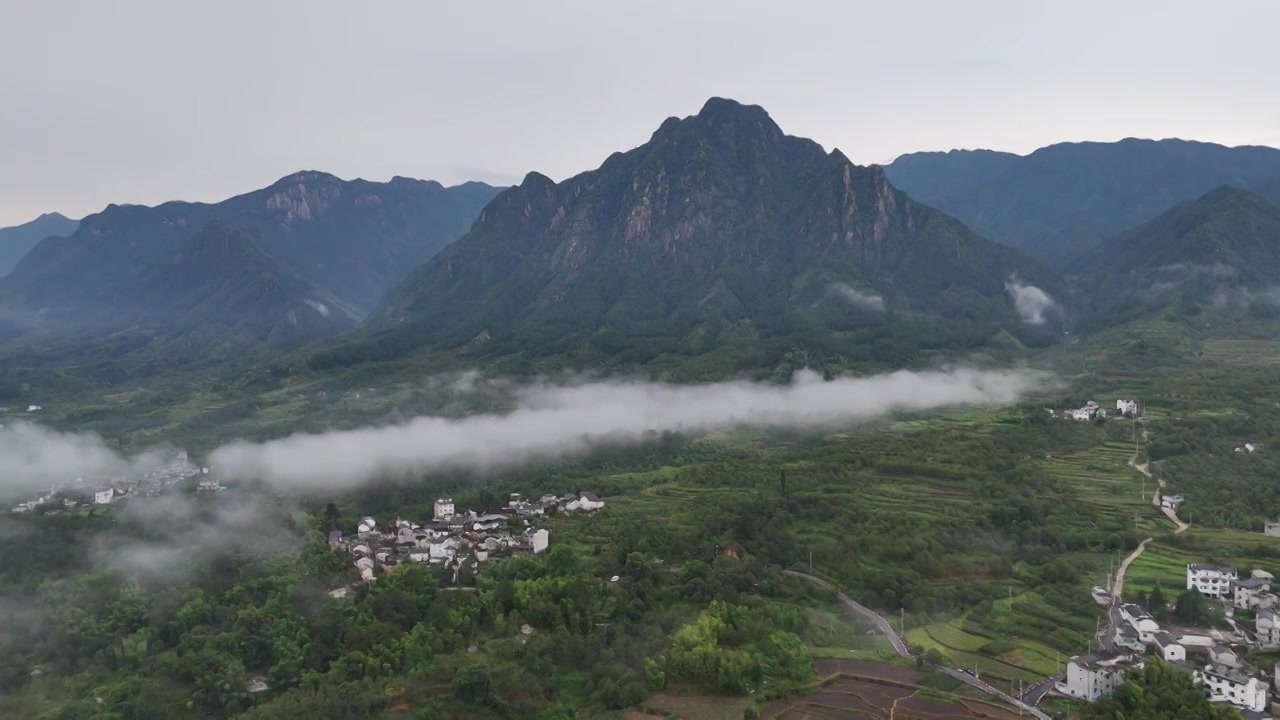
(1093,411)
(1215,658)
(456,542)
(77,492)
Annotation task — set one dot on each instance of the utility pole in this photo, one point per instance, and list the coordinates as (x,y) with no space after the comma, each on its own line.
(810,562)
(902,621)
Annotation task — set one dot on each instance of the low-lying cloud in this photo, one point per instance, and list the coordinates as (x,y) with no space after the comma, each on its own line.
(857,298)
(540,422)
(34,457)
(556,421)
(319,307)
(1033,304)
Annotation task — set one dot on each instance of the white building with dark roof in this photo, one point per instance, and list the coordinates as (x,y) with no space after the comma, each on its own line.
(1211,580)
(1238,688)
(1169,648)
(1089,677)
(1246,593)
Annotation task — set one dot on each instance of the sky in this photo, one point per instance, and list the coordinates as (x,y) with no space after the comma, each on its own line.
(144,101)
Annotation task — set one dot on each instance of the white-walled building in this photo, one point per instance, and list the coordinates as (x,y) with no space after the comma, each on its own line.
(1246,594)
(1141,622)
(104,497)
(443,509)
(1169,648)
(1127,407)
(1089,677)
(1172,501)
(1211,580)
(1235,687)
(539,540)
(1267,626)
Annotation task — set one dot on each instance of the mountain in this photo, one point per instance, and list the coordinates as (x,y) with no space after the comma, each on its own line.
(1269,190)
(1220,252)
(17,240)
(222,282)
(1065,198)
(722,239)
(354,238)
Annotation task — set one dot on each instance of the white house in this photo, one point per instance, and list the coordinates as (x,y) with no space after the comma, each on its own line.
(1246,592)
(1171,650)
(1140,622)
(1127,407)
(1272,528)
(103,497)
(539,540)
(1089,677)
(1211,580)
(586,501)
(1172,501)
(366,526)
(1235,687)
(443,509)
(1267,625)
(1081,414)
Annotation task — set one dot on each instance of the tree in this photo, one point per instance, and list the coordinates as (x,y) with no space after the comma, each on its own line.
(1156,692)
(1191,607)
(1157,603)
(471,683)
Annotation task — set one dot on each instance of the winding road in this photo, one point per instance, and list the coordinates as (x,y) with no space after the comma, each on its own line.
(902,649)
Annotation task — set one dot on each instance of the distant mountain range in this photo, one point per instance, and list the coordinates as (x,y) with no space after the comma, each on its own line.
(250,262)
(1063,199)
(1218,252)
(721,246)
(16,241)
(721,243)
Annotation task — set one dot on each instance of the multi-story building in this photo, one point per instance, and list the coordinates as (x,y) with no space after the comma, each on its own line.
(1089,677)
(1211,580)
(1234,686)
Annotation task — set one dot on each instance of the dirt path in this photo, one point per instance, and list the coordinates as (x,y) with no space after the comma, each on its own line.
(1155,497)
(1117,583)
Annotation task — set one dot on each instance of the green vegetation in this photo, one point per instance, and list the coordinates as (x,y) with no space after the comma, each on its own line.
(1156,692)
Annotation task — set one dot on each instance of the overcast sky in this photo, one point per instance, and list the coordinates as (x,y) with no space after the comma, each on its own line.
(149,100)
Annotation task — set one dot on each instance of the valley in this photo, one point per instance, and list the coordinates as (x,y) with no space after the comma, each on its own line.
(823,432)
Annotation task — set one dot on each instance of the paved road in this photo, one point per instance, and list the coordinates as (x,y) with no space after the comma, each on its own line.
(873,616)
(901,647)
(1034,694)
(971,680)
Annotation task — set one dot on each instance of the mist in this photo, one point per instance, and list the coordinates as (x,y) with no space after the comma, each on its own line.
(1032,303)
(551,421)
(33,457)
(857,298)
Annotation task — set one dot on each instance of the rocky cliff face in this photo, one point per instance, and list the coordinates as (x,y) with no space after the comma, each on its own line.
(720,229)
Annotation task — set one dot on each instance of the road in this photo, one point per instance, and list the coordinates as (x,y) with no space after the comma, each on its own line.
(873,616)
(1117,584)
(901,647)
(1155,498)
(971,680)
(1034,694)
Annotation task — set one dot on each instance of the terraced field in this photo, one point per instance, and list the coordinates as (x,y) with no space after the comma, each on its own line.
(866,691)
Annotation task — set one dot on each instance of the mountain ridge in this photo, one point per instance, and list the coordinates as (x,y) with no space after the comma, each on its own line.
(1061,199)
(719,230)
(354,237)
(18,240)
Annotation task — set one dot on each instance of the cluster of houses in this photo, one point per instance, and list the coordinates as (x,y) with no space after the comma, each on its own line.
(1093,411)
(1209,658)
(105,491)
(457,541)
